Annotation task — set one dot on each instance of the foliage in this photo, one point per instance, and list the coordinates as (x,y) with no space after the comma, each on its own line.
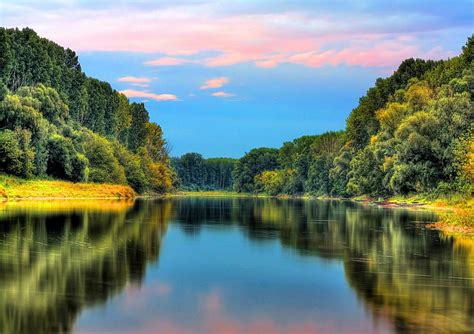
(252,164)
(104,166)
(270,182)
(10,153)
(196,173)
(57,122)
(411,133)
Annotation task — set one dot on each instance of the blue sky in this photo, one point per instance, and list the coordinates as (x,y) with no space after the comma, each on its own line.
(224,77)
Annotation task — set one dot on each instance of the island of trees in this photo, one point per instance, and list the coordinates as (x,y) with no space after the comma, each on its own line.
(411,133)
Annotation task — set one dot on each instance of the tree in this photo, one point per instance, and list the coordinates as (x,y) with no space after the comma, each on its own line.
(270,182)
(155,143)
(138,132)
(51,106)
(47,101)
(251,164)
(103,165)
(60,158)
(10,153)
(134,172)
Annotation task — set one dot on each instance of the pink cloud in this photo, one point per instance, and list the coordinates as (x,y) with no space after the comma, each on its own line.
(134,79)
(153,96)
(166,61)
(222,94)
(265,39)
(215,83)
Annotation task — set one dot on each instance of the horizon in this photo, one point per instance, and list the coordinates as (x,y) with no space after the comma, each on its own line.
(295,69)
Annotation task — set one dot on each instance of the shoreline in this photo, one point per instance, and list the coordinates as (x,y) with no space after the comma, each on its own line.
(456,216)
(16,189)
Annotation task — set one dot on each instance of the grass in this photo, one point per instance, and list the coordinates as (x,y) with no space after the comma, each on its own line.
(13,188)
(456,212)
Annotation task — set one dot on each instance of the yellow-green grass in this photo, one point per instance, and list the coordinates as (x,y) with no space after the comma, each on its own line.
(456,212)
(13,188)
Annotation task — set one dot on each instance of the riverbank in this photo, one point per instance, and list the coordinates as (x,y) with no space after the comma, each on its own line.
(456,213)
(216,193)
(13,188)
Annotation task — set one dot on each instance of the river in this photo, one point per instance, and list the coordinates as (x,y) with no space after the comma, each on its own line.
(230,265)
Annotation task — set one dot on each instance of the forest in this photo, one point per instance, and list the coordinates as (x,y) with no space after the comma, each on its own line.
(194,173)
(55,122)
(413,132)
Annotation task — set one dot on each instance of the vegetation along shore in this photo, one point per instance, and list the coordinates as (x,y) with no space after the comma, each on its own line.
(66,135)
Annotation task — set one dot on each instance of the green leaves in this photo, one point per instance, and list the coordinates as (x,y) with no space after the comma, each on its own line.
(47,103)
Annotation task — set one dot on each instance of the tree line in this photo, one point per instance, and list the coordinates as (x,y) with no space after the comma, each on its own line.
(194,173)
(411,133)
(57,122)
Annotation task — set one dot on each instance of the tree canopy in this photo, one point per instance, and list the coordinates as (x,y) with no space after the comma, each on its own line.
(55,121)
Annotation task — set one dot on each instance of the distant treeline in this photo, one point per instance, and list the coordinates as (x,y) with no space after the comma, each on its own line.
(411,133)
(194,173)
(57,122)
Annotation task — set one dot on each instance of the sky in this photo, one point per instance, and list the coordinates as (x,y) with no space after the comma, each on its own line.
(223,77)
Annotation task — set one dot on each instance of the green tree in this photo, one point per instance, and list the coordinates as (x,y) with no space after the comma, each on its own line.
(138,132)
(251,164)
(103,165)
(10,153)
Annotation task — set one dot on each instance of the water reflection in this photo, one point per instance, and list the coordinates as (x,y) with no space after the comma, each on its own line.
(57,260)
(417,278)
(58,257)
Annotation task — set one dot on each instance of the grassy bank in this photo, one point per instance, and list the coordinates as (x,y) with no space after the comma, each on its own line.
(456,212)
(12,188)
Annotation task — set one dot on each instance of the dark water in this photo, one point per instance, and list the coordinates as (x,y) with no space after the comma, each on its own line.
(228,265)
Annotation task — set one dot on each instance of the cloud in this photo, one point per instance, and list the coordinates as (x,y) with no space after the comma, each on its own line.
(222,94)
(153,96)
(134,79)
(137,84)
(215,83)
(270,33)
(166,61)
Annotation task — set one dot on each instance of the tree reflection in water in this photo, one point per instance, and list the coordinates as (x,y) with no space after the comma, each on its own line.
(58,258)
(417,278)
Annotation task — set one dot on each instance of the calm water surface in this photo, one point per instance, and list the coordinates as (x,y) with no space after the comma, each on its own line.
(230,265)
